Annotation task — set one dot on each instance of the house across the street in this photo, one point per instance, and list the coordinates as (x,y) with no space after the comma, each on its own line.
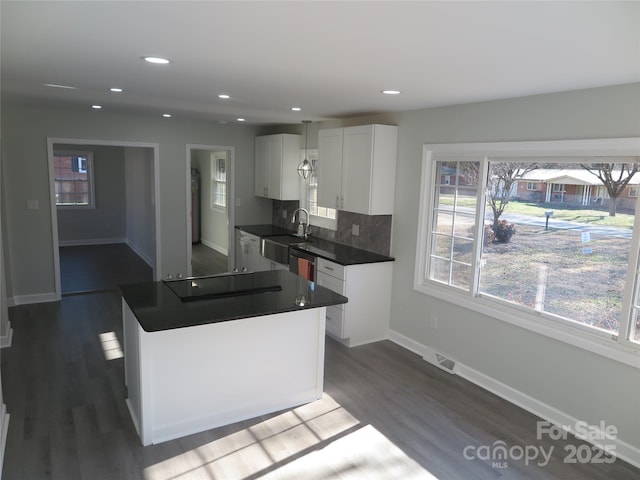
(572,187)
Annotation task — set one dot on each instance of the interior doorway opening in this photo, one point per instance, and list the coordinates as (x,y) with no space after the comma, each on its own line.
(210,209)
(119,212)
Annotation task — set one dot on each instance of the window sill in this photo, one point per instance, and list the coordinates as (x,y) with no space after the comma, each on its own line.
(574,335)
(323,222)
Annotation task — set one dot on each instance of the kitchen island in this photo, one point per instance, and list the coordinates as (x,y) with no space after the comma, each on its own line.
(210,351)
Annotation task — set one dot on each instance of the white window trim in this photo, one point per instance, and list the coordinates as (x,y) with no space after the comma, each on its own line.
(315,220)
(213,182)
(617,348)
(91,178)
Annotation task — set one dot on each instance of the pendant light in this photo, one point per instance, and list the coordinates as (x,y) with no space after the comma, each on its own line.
(305,168)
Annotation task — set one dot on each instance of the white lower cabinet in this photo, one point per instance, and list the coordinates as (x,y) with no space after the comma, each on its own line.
(365,317)
(248,254)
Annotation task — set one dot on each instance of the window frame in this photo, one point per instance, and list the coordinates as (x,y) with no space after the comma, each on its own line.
(90,178)
(314,220)
(618,347)
(214,182)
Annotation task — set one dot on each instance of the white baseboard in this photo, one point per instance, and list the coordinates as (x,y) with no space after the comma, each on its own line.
(4,429)
(5,340)
(90,241)
(140,253)
(35,298)
(213,246)
(623,450)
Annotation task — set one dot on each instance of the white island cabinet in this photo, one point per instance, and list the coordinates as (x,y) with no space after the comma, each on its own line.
(183,379)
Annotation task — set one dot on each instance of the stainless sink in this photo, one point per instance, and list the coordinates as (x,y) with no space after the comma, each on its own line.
(277,248)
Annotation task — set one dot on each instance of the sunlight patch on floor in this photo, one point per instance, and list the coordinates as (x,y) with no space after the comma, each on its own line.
(319,440)
(110,346)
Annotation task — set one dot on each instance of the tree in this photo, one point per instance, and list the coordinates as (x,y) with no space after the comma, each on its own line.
(502,177)
(614,177)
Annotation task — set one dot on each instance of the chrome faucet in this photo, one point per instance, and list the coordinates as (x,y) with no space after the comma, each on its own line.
(306,229)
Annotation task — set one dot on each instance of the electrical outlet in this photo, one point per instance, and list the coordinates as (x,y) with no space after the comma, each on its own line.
(355,230)
(434,320)
(32,205)
(238,202)
(284,214)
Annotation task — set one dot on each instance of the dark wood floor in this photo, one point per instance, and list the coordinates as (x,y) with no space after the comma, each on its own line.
(386,414)
(91,268)
(207,261)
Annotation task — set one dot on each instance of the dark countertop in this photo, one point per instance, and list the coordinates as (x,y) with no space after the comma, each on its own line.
(335,252)
(158,306)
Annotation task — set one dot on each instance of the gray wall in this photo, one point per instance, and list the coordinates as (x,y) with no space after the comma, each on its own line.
(140,222)
(25,129)
(107,221)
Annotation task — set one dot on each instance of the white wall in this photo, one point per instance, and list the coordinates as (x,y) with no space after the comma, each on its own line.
(140,202)
(5,332)
(214,225)
(25,129)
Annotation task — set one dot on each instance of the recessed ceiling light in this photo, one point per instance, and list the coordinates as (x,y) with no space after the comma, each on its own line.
(296,109)
(240,119)
(166,115)
(391,92)
(56,85)
(96,107)
(224,96)
(158,60)
(115,89)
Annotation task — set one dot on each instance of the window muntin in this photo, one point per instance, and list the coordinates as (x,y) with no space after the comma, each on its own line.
(218,181)
(73,178)
(452,232)
(613,313)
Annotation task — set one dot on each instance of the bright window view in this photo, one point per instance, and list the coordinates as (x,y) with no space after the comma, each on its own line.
(556,237)
(312,190)
(73,173)
(219,182)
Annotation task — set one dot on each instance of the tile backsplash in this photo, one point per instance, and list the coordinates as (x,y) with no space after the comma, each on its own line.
(374,231)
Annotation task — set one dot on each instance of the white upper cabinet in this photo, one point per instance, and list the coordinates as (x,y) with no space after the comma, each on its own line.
(357,168)
(330,167)
(276,162)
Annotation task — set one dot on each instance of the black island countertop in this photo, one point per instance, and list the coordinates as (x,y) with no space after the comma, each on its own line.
(335,252)
(195,301)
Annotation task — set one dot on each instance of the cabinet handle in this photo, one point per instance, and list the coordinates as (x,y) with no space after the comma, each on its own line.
(337,201)
(328,268)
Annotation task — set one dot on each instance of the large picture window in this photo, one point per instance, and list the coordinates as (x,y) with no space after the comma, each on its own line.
(73,174)
(570,260)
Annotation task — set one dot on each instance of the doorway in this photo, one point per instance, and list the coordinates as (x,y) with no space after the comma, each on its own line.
(95,225)
(210,209)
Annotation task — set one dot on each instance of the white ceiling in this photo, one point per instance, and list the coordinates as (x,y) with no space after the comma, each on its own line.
(332,59)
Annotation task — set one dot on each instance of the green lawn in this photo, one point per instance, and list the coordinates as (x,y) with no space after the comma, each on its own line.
(592,217)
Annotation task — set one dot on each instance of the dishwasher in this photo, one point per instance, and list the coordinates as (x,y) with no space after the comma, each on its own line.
(303,264)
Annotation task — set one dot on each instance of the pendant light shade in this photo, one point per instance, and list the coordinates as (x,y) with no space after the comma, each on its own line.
(305,169)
